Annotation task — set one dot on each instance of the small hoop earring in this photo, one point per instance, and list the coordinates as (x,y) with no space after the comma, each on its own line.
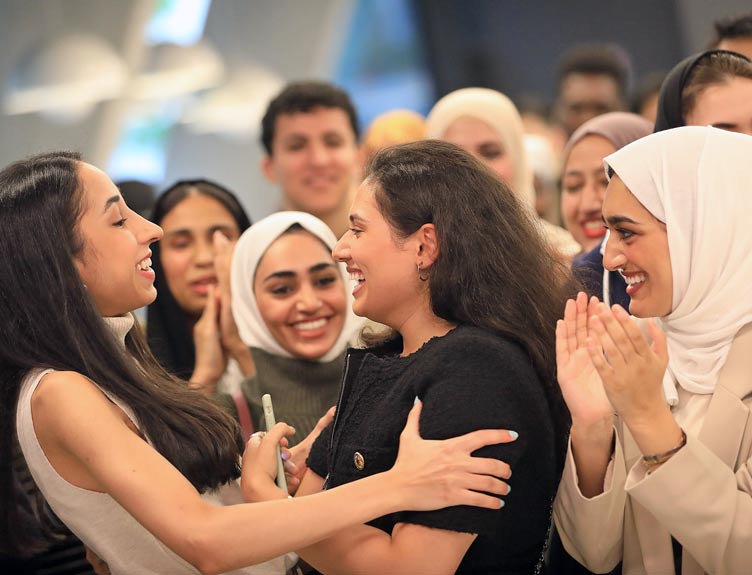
(421,277)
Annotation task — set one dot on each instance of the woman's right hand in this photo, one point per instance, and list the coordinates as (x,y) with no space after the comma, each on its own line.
(211,360)
(435,474)
(580,383)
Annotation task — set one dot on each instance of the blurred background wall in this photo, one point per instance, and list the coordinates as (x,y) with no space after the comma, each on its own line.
(192,109)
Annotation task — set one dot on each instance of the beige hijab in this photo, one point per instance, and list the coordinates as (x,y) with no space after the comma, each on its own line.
(498,111)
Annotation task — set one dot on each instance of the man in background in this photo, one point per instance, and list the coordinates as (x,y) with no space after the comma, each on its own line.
(310,136)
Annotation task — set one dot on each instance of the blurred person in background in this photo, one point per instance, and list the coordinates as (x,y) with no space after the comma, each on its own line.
(190,327)
(592,80)
(310,136)
(390,128)
(486,124)
(645,97)
(734,34)
(713,88)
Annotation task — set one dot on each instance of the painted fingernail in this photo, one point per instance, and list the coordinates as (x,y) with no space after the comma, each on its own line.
(501,503)
(509,489)
(513,434)
(285,456)
(417,399)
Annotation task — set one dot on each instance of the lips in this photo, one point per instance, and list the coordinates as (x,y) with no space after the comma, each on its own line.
(358,277)
(201,286)
(593,228)
(635,280)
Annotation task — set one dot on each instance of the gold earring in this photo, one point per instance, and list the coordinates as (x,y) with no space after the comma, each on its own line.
(421,277)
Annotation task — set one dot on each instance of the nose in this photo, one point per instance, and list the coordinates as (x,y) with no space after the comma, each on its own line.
(308,300)
(592,198)
(148,232)
(341,251)
(319,154)
(613,258)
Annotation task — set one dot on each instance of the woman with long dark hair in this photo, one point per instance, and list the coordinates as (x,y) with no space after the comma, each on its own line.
(190,326)
(446,255)
(120,450)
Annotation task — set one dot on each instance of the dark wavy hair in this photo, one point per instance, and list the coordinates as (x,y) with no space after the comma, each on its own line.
(168,332)
(50,321)
(495,270)
(304,97)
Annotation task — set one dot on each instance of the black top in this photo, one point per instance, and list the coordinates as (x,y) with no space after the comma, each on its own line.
(467,380)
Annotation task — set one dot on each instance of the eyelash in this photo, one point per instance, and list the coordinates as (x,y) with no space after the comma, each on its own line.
(624,235)
(120,223)
(356,231)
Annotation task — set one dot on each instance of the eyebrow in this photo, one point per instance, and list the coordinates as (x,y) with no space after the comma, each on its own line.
(356,217)
(616,220)
(283,274)
(111,201)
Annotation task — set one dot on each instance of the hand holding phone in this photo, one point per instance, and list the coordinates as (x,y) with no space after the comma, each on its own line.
(266,404)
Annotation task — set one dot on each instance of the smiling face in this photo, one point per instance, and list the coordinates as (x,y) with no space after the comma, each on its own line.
(388,290)
(187,250)
(482,141)
(115,263)
(300,295)
(315,160)
(638,248)
(727,106)
(583,188)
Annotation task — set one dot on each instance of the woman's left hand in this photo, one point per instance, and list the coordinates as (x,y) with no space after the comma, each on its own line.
(295,467)
(630,368)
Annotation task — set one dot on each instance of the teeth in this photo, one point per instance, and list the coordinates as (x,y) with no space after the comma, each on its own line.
(357,277)
(635,279)
(311,325)
(144,264)
(593,225)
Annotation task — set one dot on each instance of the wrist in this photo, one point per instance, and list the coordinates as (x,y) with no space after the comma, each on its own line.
(655,433)
(394,491)
(593,433)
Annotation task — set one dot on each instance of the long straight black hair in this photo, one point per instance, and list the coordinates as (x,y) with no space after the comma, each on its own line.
(49,321)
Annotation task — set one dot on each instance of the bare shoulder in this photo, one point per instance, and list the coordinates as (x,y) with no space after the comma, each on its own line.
(67,402)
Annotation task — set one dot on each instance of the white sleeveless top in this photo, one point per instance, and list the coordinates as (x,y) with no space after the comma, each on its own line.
(96,518)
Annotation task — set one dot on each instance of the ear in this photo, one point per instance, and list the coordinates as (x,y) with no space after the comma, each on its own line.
(428,245)
(267,167)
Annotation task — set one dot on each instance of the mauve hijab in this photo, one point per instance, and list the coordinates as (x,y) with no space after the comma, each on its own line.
(619,128)
(669,100)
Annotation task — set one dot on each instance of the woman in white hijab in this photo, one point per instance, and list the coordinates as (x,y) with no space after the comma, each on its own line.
(293,311)
(487,124)
(659,471)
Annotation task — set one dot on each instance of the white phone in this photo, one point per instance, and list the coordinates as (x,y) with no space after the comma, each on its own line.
(266,404)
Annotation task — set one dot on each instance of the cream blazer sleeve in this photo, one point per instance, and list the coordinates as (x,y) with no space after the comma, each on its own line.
(592,529)
(703,504)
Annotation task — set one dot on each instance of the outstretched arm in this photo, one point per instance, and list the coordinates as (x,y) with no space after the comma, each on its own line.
(90,444)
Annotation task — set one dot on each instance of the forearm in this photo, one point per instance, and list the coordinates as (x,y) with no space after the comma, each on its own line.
(248,534)
(592,447)
(410,549)
(591,529)
(700,500)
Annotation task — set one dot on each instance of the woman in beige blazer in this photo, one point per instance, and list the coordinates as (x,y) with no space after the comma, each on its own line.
(659,468)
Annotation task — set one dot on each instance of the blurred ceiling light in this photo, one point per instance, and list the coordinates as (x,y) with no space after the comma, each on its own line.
(173,70)
(236,108)
(66,78)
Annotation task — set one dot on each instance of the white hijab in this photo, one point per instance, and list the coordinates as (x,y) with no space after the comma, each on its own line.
(249,250)
(697,180)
